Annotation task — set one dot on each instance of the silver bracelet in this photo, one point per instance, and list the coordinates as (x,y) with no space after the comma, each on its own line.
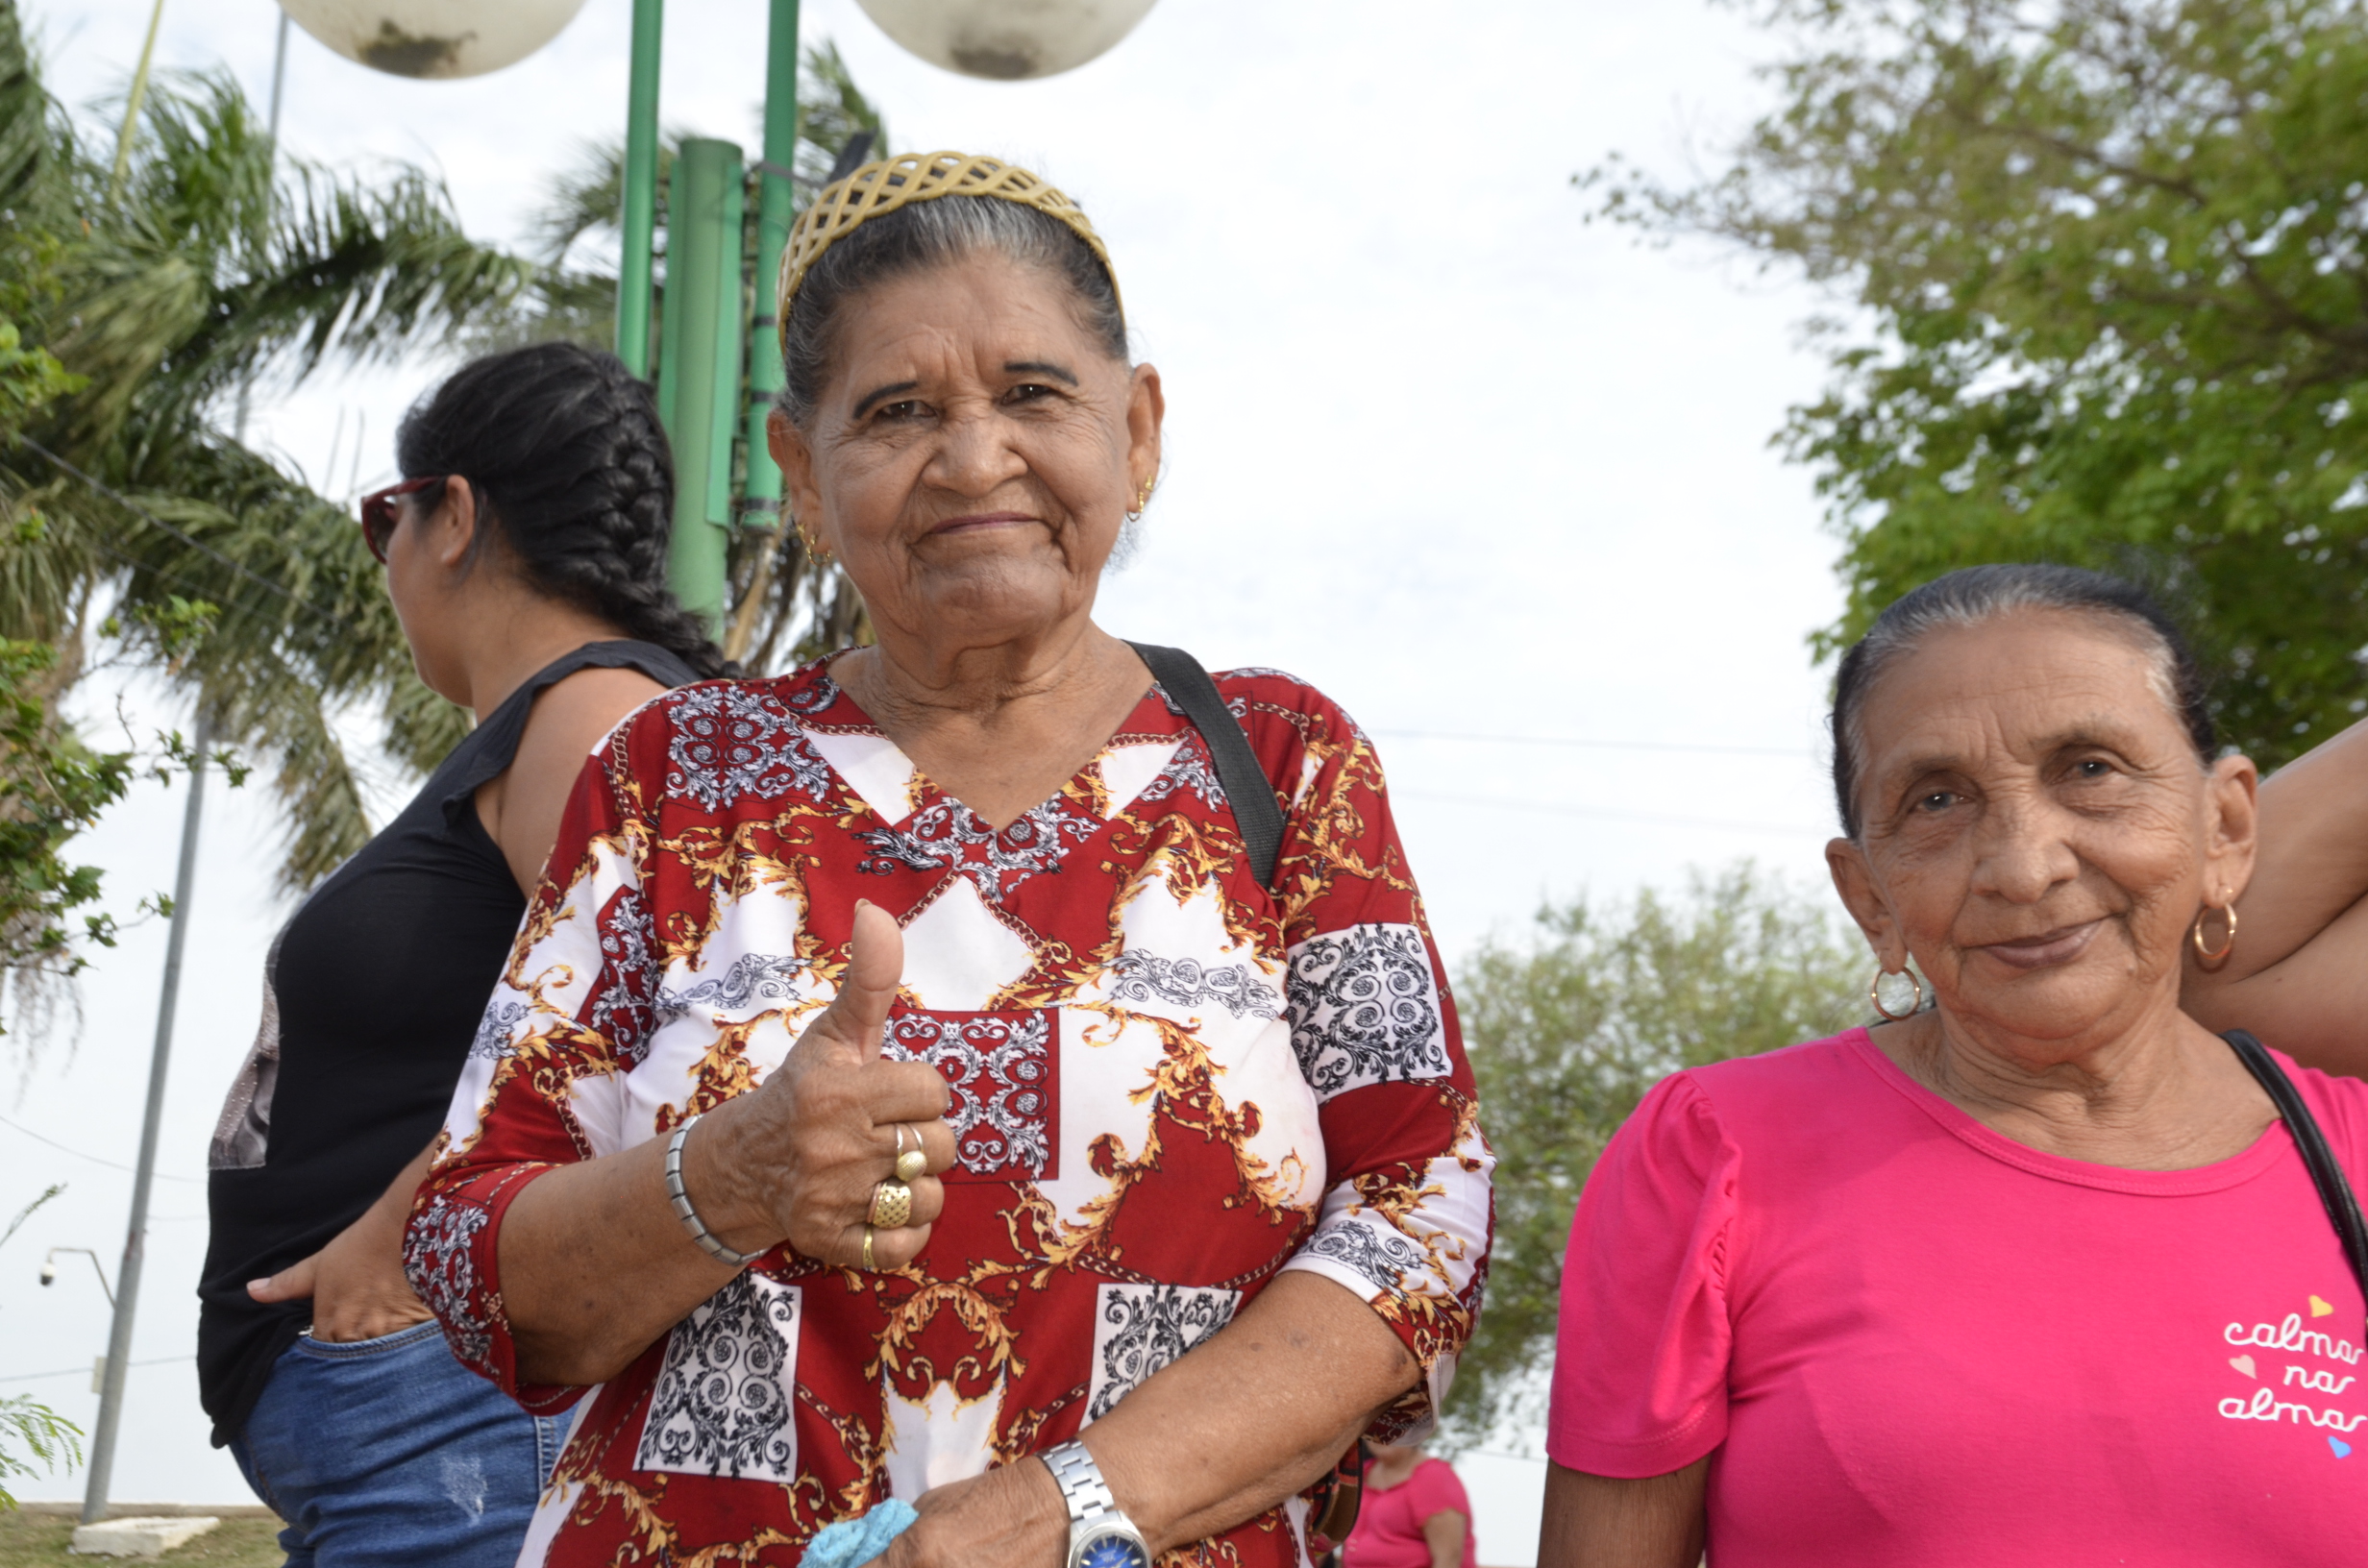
(684,1212)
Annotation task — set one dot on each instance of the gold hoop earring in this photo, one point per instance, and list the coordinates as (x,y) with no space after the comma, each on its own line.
(1142,498)
(2196,934)
(1874,992)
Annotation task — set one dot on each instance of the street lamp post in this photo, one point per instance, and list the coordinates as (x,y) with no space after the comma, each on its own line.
(775,203)
(1007,40)
(699,365)
(640,217)
(700,340)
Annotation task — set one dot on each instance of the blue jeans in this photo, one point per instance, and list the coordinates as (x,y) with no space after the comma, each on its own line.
(389,1453)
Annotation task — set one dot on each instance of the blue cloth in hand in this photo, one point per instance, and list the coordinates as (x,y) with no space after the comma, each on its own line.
(852,1542)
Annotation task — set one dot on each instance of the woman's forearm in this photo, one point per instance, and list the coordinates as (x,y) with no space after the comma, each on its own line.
(2294,974)
(1600,1522)
(1443,1533)
(2312,863)
(567,1242)
(594,1262)
(1269,1404)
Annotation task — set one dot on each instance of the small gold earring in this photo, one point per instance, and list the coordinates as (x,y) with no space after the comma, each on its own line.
(1143,497)
(816,550)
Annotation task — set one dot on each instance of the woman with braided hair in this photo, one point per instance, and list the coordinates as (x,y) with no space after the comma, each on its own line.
(996,1084)
(526,556)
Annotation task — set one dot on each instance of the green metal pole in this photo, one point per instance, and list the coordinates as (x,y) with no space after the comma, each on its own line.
(640,189)
(698,374)
(774,208)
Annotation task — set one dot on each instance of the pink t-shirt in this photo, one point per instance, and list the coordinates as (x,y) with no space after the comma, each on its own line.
(1904,1339)
(1389,1529)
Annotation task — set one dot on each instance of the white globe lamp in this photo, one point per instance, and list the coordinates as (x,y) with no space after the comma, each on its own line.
(1006,41)
(433,38)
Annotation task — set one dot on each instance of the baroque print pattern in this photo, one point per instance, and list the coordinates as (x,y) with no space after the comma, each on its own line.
(1168,1087)
(1000,1068)
(1190,769)
(731,741)
(622,994)
(769,977)
(442,1267)
(1368,1247)
(1139,975)
(493,1029)
(726,1399)
(1365,1009)
(1138,1329)
(948,834)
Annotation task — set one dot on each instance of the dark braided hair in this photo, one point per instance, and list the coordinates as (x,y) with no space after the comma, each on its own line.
(570,471)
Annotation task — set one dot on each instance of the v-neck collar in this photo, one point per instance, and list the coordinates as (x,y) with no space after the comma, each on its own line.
(876,771)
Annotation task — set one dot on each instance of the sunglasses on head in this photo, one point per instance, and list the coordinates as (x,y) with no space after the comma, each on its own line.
(379,515)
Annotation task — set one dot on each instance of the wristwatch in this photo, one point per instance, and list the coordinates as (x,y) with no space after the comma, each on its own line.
(1099,1535)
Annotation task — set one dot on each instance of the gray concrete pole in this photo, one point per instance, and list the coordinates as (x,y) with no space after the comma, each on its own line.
(135,1238)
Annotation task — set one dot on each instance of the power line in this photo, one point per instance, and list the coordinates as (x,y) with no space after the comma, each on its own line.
(1608,746)
(78,1371)
(41,1137)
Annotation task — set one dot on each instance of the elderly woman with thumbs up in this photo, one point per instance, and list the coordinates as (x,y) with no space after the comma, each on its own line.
(921,1077)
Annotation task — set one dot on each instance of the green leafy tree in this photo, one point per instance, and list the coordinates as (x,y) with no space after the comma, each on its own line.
(2113,255)
(33,1440)
(127,502)
(51,788)
(1566,1033)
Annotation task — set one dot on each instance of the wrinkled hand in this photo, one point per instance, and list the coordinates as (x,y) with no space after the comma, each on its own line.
(801,1158)
(1013,1517)
(356,1285)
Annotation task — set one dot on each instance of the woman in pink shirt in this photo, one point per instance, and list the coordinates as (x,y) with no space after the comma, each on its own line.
(1414,1514)
(2032,1275)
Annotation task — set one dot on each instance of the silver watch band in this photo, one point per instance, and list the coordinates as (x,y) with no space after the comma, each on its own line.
(684,1212)
(1080,1481)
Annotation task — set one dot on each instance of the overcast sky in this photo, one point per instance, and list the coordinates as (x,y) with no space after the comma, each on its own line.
(1471,465)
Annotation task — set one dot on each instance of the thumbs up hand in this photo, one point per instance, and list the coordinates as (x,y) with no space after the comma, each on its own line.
(804,1158)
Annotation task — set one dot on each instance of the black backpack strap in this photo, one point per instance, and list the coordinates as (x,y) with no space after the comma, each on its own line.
(1249,792)
(2334,1192)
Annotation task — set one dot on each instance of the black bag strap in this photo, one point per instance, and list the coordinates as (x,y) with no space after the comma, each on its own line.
(2325,1174)
(1249,792)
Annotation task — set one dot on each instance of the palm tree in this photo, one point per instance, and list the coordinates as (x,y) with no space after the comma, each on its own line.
(126,499)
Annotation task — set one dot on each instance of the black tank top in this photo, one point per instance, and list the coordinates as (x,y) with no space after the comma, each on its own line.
(372,993)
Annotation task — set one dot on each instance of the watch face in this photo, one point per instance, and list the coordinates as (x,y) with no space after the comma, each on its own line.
(1113,1551)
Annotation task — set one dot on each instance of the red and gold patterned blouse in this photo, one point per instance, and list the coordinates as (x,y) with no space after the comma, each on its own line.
(1169,1085)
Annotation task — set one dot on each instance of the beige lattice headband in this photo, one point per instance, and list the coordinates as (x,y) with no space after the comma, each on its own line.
(881,187)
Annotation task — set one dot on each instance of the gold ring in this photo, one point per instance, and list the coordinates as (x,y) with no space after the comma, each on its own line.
(892,1205)
(868,1264)
(911,1164)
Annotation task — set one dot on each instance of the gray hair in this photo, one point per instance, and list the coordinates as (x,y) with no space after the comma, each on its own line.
(924,234)
(1976,594)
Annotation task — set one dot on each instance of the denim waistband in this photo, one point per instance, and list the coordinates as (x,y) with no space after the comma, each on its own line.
(400,1339)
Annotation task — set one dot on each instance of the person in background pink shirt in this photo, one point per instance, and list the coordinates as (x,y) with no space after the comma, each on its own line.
(1413,1515)
(2036,1275)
